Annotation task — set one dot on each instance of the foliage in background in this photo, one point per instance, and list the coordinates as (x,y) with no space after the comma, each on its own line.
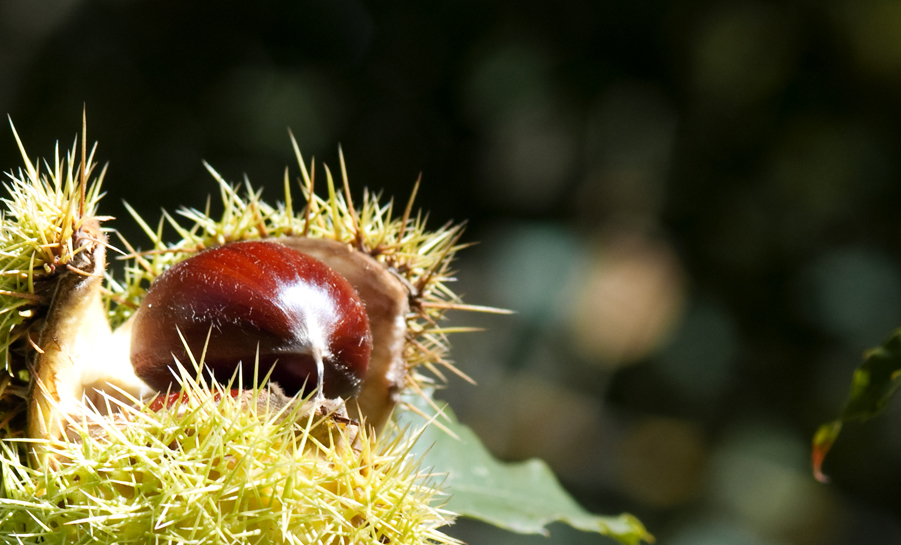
(872,387)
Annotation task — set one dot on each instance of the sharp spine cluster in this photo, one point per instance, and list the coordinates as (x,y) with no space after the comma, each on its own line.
(217,468)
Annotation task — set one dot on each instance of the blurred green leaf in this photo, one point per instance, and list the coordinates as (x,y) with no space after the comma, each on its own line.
(522,497)
(872,386)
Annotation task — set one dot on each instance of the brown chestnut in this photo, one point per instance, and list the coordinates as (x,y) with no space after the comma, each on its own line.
(257,301)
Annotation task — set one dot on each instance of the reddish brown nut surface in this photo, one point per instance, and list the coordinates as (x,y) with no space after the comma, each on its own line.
(255,297)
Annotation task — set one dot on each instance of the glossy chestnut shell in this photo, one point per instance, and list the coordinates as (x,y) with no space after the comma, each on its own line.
(255,300)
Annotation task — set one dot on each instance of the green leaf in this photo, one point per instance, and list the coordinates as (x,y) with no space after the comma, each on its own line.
(522,497)
(872,386)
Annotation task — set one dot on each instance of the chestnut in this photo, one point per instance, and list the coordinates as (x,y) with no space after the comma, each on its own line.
(259,302)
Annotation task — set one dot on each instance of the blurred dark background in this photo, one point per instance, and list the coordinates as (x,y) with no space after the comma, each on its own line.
(692,206)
